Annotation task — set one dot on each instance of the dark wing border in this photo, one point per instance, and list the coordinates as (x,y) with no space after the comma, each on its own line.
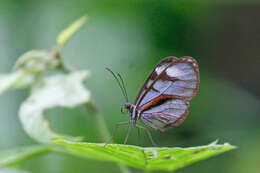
(168,59)
(173,60)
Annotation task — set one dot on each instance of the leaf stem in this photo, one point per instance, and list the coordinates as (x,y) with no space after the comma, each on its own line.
(103,130)
(101,125)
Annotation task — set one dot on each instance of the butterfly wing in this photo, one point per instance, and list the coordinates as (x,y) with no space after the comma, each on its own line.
(168,113)
(151,78)
(173,81)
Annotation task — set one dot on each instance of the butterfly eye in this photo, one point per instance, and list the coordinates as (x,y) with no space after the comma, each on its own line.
(124,110)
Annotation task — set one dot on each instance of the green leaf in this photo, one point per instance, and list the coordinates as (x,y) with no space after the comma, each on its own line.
(167,159)
(146,158)
(60,90)
(67,33)
(14,156)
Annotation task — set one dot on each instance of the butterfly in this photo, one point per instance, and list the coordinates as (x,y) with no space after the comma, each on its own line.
(163,100)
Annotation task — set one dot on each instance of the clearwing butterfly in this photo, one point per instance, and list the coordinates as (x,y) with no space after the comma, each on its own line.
(163,100)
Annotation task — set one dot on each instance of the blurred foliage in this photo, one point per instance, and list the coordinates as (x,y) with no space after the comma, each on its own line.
(131,37)
(59,90)
(15,156)
(67,89)
(47,91)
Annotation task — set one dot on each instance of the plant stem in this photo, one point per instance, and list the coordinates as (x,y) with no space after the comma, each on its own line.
(103,130)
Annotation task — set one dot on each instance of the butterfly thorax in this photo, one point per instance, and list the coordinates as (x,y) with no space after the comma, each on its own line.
(134,113)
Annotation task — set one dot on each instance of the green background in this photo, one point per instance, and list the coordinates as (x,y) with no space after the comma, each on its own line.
(131,37)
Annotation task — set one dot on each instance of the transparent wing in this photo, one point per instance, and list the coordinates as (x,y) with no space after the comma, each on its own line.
(176,78)
(167,113)
(152,77)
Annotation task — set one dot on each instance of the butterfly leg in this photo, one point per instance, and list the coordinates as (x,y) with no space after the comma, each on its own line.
(139,134)
(128,132)
(148,134)
(116,127)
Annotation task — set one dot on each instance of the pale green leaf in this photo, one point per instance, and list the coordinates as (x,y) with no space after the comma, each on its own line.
(12,170)
(37,60)
(66,34)
(8,81)
(14,156)
(28,69)
(30,59)
(17,79)
(60,90)
(167,159)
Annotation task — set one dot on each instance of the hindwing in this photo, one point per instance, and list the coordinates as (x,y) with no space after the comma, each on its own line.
(170,112)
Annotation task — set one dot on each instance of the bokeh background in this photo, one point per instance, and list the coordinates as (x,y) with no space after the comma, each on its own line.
(131,37)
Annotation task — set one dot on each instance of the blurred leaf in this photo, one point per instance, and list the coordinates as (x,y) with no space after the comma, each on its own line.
(30,65)
(28,69)
(66,34)
(14,156)
(58,90)
(8,81)
(17,79)
(37,59)
(167,159)
(12,170)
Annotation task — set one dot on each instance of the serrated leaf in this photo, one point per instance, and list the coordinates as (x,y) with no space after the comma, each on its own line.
(60,90)
(67,33)
(14,156)
(167,159)
(146,158)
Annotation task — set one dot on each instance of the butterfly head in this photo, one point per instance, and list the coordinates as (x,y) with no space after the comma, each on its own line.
(127,106)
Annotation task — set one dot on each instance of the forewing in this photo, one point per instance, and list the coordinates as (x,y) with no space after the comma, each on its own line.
(159,68)
(176,78)
(163,100)
(165,114)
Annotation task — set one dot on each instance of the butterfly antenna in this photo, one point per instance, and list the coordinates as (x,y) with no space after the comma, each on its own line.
(118,82)
(123,84)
